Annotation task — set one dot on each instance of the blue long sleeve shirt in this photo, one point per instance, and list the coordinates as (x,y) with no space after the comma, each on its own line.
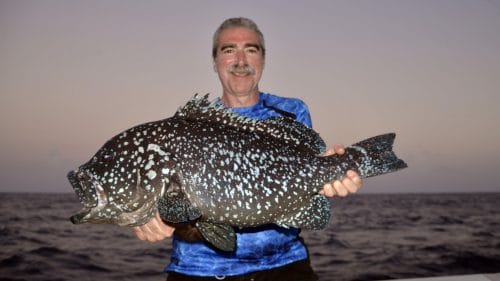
(259,248)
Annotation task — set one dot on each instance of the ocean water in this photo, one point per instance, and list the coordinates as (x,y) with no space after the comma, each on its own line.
(370,237)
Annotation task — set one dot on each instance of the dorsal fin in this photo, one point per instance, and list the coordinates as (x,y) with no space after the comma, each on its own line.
(285,129)
(293,133)
(201,109)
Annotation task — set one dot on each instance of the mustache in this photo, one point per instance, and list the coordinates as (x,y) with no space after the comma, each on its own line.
(245,69)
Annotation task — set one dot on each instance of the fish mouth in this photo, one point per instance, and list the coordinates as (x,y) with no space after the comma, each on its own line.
(80,217)
(83,185)
(90,193)
(85,194)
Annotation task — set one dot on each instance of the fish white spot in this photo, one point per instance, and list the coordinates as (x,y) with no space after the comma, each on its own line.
(156,148)
(151,175)
(149,164)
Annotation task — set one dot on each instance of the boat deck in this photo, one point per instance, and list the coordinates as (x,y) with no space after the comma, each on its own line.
(471,277)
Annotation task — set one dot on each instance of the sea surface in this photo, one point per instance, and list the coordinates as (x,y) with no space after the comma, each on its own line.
(370,237)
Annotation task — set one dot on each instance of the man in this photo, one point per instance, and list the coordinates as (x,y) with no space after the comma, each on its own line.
(268,252)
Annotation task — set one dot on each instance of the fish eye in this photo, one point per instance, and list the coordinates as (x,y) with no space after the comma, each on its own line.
(107,155)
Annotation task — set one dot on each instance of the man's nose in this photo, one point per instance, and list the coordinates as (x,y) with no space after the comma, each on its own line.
(241,57)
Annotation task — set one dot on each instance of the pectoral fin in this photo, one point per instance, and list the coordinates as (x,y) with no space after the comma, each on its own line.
(220,236)
(174,207)
(313,216)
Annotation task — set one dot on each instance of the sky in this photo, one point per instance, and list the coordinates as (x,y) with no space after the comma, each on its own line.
(75,73)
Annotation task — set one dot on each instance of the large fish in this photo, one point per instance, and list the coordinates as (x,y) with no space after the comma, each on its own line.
(209,166)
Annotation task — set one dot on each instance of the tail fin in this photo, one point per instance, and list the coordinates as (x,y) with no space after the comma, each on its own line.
(376,156)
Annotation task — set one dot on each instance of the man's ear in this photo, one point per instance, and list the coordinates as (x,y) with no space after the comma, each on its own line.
(214,66)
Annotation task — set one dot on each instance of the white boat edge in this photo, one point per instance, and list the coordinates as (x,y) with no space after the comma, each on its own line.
(471,277)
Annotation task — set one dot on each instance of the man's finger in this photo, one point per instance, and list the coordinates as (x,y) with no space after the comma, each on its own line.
(340,190)
(328,190)
(339,149)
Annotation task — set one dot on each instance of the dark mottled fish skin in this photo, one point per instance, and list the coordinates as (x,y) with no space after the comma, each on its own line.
(210,166)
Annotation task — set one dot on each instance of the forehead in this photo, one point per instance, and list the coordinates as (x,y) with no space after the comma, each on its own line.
(238,35)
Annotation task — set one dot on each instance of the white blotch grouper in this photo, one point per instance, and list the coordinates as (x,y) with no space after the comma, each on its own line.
(217,170)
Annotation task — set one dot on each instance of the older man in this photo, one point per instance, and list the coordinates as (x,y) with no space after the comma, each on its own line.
(268,252)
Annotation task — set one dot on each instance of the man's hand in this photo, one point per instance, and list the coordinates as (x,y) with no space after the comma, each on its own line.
(154,230)
(350,184)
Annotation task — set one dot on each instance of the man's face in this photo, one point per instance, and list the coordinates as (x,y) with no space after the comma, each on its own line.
(239,61)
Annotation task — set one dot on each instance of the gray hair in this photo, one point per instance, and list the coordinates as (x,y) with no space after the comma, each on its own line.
(237,22)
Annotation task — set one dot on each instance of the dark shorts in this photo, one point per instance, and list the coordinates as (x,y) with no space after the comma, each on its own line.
(297,271)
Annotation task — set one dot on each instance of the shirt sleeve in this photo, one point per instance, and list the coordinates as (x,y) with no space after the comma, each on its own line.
(303,114)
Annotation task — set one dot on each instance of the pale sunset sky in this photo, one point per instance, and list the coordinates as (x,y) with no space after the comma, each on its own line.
(75,73)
